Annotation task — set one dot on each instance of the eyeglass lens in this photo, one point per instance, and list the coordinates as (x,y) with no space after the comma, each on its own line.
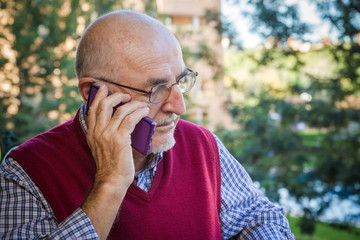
(162,91)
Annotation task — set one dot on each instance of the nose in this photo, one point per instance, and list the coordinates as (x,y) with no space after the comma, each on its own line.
(175,102)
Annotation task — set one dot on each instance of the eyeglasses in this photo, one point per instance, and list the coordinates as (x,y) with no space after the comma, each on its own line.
(161,92)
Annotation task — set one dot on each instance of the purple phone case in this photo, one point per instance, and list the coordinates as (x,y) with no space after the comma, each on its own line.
(143,133)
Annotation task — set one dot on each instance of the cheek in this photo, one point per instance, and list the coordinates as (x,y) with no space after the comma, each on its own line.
(154,110)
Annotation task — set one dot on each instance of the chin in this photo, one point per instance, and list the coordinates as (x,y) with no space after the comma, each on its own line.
(162,145)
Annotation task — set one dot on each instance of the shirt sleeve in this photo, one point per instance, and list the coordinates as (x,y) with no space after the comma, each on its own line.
(245,212)
(25,213)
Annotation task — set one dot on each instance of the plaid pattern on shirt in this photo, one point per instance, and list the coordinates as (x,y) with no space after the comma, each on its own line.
(245,213)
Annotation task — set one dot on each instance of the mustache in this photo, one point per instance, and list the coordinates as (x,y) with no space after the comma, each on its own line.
(167,119)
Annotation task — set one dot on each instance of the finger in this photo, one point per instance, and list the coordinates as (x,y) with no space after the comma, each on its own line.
(105,109)
(123,111)
(127,126)
(102,93)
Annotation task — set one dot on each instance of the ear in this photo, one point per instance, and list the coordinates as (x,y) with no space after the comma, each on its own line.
(84,87)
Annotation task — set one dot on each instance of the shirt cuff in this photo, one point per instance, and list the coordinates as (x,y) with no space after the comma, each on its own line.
(76,226)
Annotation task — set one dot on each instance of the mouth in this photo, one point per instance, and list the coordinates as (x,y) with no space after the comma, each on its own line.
(168,122)
(163,125)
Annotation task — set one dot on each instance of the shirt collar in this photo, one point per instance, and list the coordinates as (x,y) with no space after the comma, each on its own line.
(84,126)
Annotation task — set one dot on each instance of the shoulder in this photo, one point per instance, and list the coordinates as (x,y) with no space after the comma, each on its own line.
(16,180)
(10,169)
(195,135)
(191,128)
(49,139)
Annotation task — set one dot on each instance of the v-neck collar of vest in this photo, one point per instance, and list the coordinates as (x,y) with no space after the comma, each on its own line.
(157,181)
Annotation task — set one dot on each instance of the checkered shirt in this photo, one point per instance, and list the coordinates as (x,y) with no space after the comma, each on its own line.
(245,212)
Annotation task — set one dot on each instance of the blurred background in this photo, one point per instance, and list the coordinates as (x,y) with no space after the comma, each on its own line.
(279,83)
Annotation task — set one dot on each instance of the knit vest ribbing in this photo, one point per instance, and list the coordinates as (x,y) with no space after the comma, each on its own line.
(182,203)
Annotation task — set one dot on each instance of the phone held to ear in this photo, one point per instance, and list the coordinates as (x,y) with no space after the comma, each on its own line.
(143,133)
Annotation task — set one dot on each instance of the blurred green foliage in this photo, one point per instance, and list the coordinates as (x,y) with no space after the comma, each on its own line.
(38,43)
(38,82)
(298,112)
(324,231)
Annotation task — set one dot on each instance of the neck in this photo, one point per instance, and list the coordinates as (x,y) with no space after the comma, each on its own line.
(140,161)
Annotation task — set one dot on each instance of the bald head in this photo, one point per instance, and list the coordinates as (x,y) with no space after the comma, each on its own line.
(115,42)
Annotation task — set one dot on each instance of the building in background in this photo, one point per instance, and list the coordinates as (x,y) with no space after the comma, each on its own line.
(191,22)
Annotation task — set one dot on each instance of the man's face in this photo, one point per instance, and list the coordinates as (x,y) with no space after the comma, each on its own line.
(165,64)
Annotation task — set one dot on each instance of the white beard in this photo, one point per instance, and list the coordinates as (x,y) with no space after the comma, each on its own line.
(171,141)
(164,147)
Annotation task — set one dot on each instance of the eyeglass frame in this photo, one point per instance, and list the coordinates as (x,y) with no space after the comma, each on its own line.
(150,92)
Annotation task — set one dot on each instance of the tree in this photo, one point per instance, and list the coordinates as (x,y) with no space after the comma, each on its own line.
(38,40)
(302,130)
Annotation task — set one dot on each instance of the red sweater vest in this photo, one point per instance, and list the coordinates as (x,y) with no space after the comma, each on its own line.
(182,203)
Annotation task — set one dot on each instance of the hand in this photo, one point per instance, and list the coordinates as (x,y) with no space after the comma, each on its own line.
(109,137)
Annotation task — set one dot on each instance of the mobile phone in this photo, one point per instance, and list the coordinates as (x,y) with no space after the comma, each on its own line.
(143,133)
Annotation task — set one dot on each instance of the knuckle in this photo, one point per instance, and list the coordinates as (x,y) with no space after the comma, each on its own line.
(118,112)
(102,104)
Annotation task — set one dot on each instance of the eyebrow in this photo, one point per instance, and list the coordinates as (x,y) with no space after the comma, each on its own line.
(155,81)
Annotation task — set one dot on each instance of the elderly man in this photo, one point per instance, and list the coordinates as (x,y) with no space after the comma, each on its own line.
(83,180)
